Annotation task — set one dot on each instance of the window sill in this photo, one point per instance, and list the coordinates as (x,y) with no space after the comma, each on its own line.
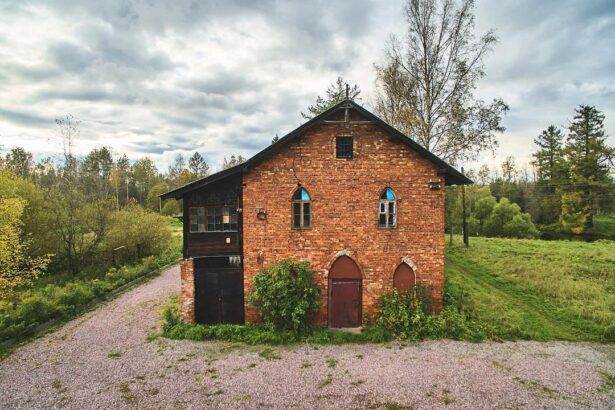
(387,228)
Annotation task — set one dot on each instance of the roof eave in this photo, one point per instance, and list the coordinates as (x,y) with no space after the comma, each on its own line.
(178,193)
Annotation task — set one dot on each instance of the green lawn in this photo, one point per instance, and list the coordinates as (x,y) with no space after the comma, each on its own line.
(604,225)
(532,289)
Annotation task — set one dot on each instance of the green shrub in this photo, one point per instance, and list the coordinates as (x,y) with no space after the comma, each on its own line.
(409,316)
(404,315)
(64,300)
(285,295)
(259,334)
(134,226)
(608,335)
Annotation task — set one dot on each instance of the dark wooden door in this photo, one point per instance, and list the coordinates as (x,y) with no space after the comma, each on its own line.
(218,291)
(345,303)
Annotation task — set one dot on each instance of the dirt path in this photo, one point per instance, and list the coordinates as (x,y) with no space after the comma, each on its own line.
(111,358)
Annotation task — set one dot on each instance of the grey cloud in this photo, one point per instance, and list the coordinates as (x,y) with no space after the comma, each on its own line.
(26,119)
(122,68)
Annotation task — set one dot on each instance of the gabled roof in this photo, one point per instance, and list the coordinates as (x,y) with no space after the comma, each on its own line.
(451,175)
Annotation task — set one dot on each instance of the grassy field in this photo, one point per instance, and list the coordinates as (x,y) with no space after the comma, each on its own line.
(532,289)
(604,225)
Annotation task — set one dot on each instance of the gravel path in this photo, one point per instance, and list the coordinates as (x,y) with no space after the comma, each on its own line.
(111,358)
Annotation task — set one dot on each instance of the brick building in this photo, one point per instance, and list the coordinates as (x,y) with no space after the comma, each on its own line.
(360,201)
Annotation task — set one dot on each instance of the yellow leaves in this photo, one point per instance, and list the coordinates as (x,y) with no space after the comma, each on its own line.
(16,267)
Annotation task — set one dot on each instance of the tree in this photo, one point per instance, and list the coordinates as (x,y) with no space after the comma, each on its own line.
(334,94)
(34,219)
(198,166)
(232,161)
(507,220)
(573,216)
(589,157)
(17,269)
(144,177)
(153,201)
(425,87)
(96,170)
(484,175)
(550,156)
(552,175)
(119,179)
(19,161)
(176,169)
(510,172)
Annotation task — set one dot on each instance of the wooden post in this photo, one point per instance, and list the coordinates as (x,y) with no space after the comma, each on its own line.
(466,240)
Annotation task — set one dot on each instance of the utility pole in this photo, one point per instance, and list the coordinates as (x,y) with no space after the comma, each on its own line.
(466,241)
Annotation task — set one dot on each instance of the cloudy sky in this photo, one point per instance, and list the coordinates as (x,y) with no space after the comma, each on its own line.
(159,78)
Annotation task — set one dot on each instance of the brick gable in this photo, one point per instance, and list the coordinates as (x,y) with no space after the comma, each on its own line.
(345,196)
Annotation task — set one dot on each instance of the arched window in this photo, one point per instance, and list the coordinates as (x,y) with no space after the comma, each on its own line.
(387,211)
(302,208)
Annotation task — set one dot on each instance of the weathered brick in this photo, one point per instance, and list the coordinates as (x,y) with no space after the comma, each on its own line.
(186,295)
(345,196)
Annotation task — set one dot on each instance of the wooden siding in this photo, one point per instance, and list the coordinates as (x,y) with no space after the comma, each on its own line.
(223,193)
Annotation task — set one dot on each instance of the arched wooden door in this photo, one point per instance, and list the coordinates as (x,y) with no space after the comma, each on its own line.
(344,293)
(404,278)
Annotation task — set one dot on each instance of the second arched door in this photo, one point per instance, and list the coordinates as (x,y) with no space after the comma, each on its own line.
(404,278)
(344,293)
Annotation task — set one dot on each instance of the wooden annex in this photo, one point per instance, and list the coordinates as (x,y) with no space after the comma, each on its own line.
(363,203)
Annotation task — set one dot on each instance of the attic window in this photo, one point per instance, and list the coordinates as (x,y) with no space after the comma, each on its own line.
(343,147)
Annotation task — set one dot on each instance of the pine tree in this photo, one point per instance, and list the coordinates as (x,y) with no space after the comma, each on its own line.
(198,166)
(549,158)
(552,176)
(336,93)
(589,157)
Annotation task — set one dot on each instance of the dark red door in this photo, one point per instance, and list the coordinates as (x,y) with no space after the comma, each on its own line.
(345,303)
(404,278)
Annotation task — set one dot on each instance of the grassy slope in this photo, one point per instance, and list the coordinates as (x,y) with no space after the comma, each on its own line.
(532,289)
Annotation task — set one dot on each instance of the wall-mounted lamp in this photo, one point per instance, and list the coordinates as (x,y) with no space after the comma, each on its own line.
(261,215)
(434,185)
(260,257)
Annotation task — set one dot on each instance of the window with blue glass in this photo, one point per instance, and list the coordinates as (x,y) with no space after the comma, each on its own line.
(387,211)
(302,208)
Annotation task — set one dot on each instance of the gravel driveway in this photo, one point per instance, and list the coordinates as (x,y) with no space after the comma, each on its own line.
(112,358)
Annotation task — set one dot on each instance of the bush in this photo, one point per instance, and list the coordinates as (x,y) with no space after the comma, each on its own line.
(506,220)
(285,295)
(64,300)
(258,334)
(404,315)
(409,316)
(171,207)
(134,226)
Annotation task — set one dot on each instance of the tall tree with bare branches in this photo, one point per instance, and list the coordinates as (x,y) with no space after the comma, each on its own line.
(426,85)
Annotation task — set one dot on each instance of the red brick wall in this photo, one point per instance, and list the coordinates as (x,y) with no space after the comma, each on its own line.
(345,196)
(186,293)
